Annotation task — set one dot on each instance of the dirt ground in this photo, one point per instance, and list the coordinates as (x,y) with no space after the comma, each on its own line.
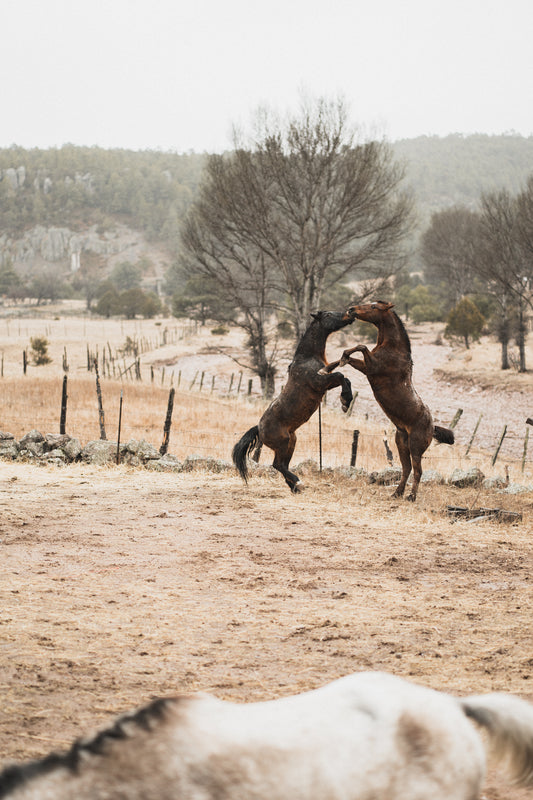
(121,584)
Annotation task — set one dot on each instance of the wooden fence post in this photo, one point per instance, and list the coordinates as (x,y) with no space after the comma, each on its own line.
(472,437)
(524,454)
(63,417)
(101,418)
(168,422)
(119,427)
(502,437)
(457,417)
(319,438)
(355,442)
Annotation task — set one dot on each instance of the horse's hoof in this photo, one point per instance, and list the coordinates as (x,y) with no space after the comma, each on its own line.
(411,498)
(297,488)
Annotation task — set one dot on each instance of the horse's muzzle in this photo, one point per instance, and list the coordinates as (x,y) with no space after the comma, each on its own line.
(352,313)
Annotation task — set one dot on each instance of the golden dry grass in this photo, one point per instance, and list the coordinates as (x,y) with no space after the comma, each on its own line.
(206,422)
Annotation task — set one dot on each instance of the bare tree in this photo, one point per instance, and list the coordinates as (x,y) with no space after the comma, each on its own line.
(304,206)
(215,247)
(503,260)
(448,252)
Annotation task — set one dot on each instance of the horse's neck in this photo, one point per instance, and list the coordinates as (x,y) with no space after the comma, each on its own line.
(312,343)
(391,334)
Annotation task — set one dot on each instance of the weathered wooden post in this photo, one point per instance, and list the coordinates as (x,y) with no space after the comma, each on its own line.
(350,407)
(319,438)
(119,427)
(355,441)
(24,361)
(524,454)
(63,417)
(388,451)
(502,437)
(472,437)
(168,422)
(457,417)
(101,418)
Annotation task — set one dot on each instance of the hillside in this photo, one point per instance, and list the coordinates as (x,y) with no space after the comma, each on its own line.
(58,203)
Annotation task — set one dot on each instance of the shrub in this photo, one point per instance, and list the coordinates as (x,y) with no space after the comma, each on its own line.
(39,351)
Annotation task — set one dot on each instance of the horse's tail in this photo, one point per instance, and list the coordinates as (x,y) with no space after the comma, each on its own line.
(508,721)
(443,435)
(242,449)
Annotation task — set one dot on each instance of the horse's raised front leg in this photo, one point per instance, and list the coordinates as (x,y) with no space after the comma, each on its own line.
(354,362)
(338,379)
(346,394)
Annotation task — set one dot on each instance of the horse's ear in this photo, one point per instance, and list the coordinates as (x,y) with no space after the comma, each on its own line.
(389,306)
(315,316)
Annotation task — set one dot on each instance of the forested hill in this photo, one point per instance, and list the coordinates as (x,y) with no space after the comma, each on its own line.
(456,169)
(76,187)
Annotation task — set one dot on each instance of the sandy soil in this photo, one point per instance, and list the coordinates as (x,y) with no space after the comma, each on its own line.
(119,585)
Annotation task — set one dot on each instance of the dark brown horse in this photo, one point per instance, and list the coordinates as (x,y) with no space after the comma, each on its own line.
(299,398)
(389,368)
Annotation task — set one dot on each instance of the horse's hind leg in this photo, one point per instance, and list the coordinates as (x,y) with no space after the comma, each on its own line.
(281,462)
(402,443)
(418,444)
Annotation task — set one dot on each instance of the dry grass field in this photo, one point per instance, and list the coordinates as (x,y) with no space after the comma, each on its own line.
(120,584)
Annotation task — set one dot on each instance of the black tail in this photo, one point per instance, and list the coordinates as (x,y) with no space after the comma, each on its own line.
(242,449)
(443,435)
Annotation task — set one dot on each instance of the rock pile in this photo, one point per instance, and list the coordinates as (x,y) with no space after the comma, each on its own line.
(61,449)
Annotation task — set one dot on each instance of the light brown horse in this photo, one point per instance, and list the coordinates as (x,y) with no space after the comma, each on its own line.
(389,368)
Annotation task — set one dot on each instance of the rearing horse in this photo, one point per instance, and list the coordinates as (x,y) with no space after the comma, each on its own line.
(389,369)
(299,398)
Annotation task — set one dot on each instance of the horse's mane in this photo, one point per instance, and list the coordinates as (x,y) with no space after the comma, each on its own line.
(401,327)
(405,335)
(144,718)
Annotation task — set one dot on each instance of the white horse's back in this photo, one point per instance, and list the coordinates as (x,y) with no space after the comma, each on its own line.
(369,735)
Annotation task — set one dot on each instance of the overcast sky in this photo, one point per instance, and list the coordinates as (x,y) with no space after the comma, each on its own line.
(175,75)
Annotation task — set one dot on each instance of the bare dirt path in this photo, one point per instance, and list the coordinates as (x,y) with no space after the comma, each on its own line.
(119,585)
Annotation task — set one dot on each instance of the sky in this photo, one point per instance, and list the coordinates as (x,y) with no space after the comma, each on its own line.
(178,76)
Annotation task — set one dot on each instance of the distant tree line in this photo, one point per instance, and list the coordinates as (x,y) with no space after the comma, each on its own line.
(79,186)
(301,213)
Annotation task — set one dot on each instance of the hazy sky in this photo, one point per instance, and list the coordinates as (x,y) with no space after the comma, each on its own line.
(175,75)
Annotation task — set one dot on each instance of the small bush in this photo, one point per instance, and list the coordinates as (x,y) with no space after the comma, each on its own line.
(39,351)
(221,330)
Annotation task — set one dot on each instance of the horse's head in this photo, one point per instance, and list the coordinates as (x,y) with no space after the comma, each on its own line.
(371,312)
(334,320)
